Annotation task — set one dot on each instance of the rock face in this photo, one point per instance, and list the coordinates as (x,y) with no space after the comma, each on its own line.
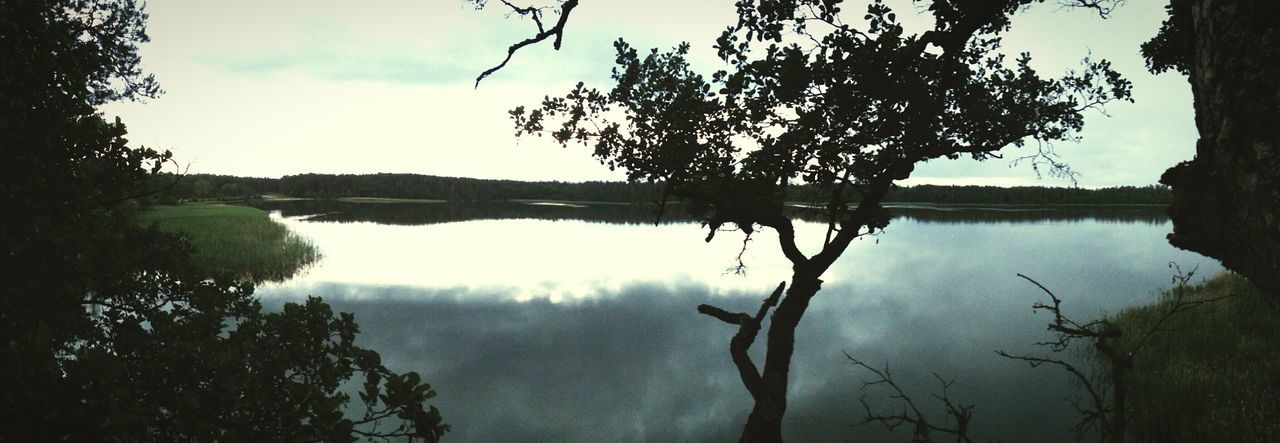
(1226,201)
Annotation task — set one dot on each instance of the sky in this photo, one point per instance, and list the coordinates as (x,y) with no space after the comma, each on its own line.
(285,87)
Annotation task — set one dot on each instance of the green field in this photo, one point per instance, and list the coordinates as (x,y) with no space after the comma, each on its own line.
(237,241)
(1212,373)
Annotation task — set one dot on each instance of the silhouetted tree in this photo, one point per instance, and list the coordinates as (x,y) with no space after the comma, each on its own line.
(106,332)
(808,97)
(1226,201)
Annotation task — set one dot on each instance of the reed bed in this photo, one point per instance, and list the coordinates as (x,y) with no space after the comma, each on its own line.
(1211,373)
(236,241)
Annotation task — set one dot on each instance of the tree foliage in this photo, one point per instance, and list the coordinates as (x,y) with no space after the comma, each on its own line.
(836,106)
(106,331)
(806,96)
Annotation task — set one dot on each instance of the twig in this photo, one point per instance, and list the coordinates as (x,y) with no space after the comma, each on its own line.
(911,415)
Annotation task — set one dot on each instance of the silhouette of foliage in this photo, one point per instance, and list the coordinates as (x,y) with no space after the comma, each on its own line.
(807,97)
(106,330)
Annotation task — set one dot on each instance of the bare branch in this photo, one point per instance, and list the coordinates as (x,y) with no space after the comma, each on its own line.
(740,268)
(1104,8)
(1046,157)
(921,428)
(1109,415)
(557,31)
(736,318)
(1179,304)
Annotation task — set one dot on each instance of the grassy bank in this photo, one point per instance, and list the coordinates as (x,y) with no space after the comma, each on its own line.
(235,240)
(1213,373)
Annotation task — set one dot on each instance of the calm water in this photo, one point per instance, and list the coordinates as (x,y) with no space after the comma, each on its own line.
(552,323)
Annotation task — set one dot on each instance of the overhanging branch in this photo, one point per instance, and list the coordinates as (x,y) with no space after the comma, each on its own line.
(557,31)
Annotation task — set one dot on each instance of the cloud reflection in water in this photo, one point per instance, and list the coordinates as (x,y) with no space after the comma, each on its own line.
(584,331)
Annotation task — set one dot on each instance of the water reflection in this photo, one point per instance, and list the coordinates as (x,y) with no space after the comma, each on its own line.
(1149,214)
(574,330)
(408,213)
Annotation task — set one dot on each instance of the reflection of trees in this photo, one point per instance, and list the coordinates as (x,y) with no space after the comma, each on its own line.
(436,213)
(1122,214)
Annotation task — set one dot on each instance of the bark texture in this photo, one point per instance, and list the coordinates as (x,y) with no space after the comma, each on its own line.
(1226,201)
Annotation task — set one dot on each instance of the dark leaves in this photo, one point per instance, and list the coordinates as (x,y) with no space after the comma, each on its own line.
(859,104)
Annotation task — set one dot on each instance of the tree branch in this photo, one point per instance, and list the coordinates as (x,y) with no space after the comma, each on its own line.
(557,31)
(1104,8)
(748,327)
(786,237)
(921,428)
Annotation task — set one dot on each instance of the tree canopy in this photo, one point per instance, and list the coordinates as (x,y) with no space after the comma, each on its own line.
(809,96)
(106,330)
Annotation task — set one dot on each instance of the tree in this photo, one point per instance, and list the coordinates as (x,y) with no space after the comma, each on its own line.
(233,191)
(1225,200)
(202,189)
(808,98)
(106,331)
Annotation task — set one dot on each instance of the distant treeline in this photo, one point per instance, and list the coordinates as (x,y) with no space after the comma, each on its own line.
(415,186)
(460,189)
(196,187)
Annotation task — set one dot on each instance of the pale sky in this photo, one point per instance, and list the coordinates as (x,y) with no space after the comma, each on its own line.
(283,87)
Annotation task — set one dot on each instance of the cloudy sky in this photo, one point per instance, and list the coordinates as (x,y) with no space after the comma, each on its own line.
(290,86)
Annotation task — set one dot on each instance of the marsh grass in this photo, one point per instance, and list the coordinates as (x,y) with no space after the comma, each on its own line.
(237,241)
(1211,373)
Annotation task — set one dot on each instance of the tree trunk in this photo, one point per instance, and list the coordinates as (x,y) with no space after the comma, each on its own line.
(765,422)
(1226,201)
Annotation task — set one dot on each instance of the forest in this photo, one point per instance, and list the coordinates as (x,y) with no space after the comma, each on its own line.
(196,187)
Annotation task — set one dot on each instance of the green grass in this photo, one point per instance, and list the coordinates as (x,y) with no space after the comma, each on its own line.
(237,241)
(387,200)
(1213,374)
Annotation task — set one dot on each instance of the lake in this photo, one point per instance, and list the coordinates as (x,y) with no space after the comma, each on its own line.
(548,322)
